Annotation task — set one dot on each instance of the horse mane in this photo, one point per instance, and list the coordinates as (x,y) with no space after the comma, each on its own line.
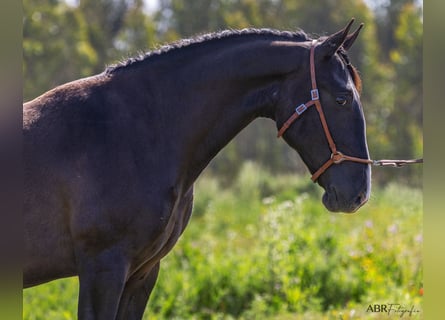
(207,38)
(230,34)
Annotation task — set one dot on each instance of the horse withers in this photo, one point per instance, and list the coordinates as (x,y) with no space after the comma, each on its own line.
(110,160)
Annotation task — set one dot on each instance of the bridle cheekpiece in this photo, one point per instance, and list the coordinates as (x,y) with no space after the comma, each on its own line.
(336,156)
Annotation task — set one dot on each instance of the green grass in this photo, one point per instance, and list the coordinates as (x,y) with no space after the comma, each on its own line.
(267,249)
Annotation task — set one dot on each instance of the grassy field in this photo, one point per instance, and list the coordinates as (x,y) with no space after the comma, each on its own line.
(266,248)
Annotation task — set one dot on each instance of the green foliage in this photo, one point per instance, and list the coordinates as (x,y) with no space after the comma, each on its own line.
(62,43)
(267,249)
(56,300)
(56,48)
(263,252)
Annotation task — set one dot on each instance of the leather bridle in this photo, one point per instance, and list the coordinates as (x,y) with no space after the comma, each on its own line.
(336,156)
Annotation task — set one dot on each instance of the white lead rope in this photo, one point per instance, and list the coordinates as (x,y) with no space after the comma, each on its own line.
(395,163)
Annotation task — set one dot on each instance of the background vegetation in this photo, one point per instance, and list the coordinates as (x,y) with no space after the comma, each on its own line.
(267,249)
(260,244)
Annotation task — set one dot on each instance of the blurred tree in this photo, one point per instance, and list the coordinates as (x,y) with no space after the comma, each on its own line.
(116,28)
(53,34)
(137,32)
(89,35)
(406,57)
(179,18)
(387,15)
(395,129)
(105,19)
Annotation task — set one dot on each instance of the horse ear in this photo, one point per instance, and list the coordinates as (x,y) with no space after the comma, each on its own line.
(347,44)
(331,44)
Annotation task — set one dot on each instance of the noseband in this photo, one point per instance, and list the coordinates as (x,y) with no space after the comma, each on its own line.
(336,156)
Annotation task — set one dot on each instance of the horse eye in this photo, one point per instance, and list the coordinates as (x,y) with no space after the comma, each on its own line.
(341,100)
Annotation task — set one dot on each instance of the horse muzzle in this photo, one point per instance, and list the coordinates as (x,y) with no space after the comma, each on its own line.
(336,201)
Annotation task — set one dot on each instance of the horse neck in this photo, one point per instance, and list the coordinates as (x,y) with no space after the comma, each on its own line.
(209,97)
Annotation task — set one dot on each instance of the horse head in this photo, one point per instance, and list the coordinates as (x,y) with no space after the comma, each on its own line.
(321,117)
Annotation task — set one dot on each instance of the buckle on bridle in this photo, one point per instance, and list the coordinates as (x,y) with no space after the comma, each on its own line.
(300,109)
(337,157)
(314,94)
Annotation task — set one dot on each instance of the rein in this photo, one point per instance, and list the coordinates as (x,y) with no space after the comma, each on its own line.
(336,156)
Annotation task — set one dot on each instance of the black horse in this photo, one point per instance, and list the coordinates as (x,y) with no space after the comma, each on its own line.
(110,160)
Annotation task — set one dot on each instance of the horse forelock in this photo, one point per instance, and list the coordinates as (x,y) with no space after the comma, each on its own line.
(208,38)
(356,78)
